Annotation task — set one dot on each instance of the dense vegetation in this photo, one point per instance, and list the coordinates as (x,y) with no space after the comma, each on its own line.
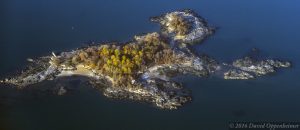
(179,25)
(124,62)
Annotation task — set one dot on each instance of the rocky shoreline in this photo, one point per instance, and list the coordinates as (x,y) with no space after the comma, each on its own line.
(142,69)
(248,68)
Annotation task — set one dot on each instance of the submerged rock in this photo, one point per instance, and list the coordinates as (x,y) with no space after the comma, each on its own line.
(61,91)
(143,68)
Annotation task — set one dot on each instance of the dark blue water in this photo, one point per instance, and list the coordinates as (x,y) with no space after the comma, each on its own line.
(34,28)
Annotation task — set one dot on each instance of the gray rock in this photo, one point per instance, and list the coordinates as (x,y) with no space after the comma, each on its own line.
(61,91)
(237,74)
(261,67)
(154,84)
(199,30)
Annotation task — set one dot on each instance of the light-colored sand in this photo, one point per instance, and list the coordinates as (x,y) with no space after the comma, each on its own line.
(80,70)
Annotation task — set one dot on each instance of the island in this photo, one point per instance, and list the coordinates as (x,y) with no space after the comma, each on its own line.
(144,68)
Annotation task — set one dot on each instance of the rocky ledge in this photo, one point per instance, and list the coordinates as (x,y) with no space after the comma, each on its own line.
(143,69)
(248,68)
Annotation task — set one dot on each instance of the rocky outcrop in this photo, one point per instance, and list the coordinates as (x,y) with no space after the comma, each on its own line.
(237,74)
(196,29)
(247,68)
(143,68)
(262,67)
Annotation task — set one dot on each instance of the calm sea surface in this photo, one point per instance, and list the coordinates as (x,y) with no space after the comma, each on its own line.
(31,28)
